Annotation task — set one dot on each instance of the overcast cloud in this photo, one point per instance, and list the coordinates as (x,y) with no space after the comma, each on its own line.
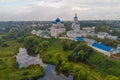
(65,9)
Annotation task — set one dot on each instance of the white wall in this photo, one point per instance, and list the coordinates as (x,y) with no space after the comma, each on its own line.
(102,51)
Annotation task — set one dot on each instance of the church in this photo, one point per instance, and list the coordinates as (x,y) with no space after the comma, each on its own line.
(75,24)
(76,32)
(57,28)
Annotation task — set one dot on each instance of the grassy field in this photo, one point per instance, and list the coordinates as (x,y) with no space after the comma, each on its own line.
(9,68)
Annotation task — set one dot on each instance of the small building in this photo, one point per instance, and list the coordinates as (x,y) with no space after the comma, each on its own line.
(112,37)
(70,34)
(39,32)
(88,29)
(76,33)
(102,35)
(33,32)
(102,48)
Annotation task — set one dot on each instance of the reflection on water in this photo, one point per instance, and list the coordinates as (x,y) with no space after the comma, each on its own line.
(24,60)
(50,74)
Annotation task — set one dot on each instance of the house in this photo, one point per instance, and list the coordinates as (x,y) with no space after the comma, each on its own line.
(102,35)
(112,37)
(76,33)
(71,34)
(33,32)
(38,33)
(88,29)
(41,33)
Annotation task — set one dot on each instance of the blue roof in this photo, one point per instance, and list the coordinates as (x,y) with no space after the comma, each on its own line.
(79,39)
(101,46)
(57,20)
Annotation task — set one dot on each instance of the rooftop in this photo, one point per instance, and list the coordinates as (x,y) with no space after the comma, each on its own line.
(57,20)
(79,39)
(102,33)
(102,46)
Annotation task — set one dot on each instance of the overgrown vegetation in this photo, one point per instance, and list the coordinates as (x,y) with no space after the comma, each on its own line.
(61,53)
(8,65)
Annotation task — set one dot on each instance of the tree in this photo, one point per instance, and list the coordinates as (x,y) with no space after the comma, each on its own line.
(30,43)
(68,45)
(111,77)
(42,46)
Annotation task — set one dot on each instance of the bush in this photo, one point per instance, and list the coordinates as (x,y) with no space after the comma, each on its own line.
(4,45)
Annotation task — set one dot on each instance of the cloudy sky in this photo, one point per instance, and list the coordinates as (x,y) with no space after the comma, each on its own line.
(65,9)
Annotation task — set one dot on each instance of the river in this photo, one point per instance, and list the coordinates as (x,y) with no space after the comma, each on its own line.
(24,60)
(50,74)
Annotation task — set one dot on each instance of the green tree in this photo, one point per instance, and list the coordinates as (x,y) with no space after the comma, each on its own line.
(111,77)
(42,46)
(30,43)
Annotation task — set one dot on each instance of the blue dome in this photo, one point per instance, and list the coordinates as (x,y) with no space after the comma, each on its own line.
(57,20)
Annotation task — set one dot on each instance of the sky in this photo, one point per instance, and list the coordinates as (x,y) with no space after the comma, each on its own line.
(49,10)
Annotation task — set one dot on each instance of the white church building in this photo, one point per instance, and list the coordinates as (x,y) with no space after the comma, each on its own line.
(57,28)
(75,24)
(76,32)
